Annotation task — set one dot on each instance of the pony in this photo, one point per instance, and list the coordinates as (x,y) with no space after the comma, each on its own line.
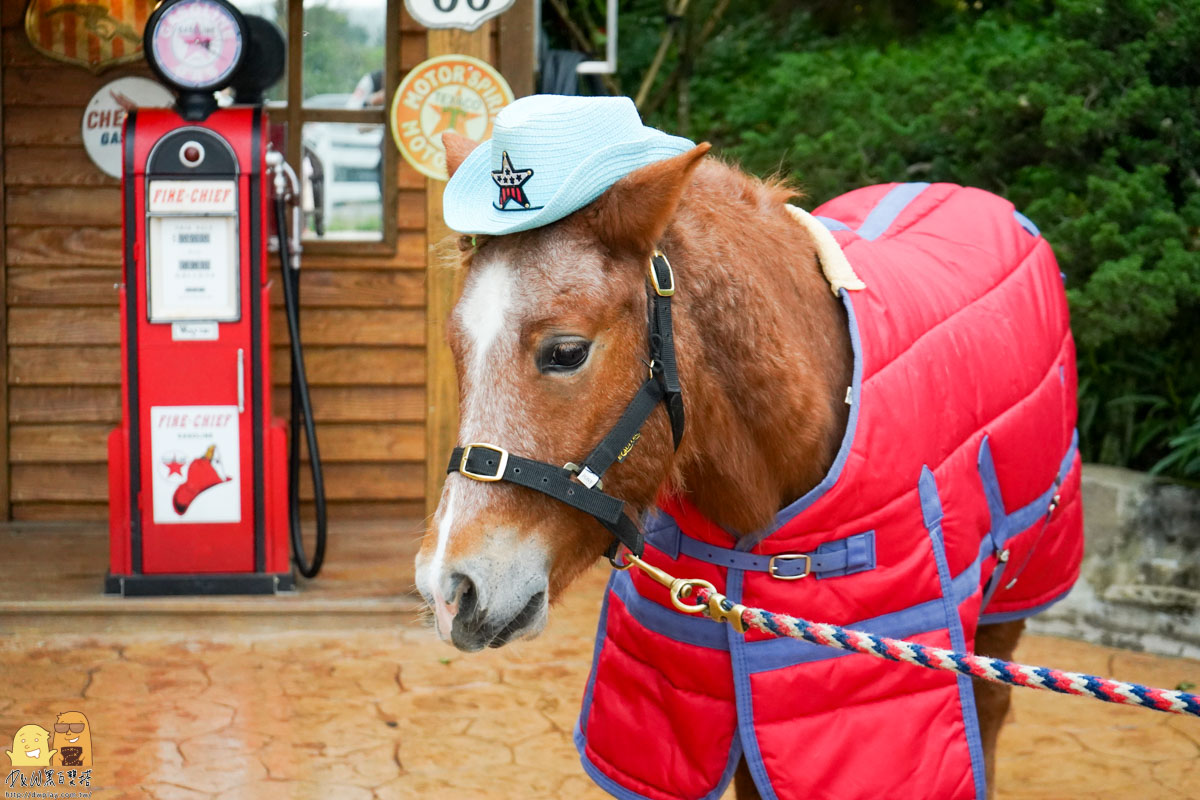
(549,339)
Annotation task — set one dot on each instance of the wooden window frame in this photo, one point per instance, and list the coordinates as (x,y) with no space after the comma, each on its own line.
(295,115)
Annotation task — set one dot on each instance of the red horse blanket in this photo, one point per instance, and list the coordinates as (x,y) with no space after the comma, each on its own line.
(953,502)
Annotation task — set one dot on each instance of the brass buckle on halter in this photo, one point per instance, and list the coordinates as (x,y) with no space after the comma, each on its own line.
(659,289)
(479,476)
(771,568)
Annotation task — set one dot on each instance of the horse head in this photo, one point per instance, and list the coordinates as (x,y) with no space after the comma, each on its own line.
(550,343)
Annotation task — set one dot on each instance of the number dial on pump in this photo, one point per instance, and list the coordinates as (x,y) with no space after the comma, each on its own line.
(196,45)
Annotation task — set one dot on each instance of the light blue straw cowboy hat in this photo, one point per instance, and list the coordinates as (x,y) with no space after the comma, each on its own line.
(550,155)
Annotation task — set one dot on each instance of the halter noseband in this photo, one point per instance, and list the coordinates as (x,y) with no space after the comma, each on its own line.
(580,485)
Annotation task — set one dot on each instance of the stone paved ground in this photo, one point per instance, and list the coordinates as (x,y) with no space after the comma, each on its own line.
(361,706)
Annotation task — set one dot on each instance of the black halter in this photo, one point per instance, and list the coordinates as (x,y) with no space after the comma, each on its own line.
(580,485)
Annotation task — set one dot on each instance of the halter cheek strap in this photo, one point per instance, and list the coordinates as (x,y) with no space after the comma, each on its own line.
(581,486)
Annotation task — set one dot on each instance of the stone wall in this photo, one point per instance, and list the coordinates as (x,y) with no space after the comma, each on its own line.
(1140,583)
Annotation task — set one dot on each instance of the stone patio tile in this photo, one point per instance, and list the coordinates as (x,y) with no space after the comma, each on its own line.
(433,750)
(169,791)
(436,665)
(220,776)
(295,790)
(1181,776)
(230,741)
(509,726)
(124,679)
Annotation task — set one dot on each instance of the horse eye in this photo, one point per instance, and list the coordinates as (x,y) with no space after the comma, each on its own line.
(563,355)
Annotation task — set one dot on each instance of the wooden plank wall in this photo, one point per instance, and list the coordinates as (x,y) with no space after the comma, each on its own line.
(4,505)
(363,326)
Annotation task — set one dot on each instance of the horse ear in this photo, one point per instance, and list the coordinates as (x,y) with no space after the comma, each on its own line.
(634,212)
(457,149)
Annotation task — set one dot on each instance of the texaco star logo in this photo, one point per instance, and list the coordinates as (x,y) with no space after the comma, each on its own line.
(510,182)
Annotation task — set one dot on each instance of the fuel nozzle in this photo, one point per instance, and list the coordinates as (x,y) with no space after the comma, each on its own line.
(287,189)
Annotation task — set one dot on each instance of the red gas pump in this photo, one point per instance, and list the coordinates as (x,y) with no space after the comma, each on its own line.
(200,496)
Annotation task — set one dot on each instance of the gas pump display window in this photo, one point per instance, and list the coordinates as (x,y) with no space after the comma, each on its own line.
(193,254)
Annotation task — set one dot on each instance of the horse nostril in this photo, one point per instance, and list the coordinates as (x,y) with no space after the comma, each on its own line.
(462,588)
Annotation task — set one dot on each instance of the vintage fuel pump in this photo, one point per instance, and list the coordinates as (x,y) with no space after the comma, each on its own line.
(203,481)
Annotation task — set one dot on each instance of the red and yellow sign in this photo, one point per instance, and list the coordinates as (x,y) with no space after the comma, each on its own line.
(95,33)
(447,93)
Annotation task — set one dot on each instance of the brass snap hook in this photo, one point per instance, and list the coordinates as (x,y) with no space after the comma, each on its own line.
(684,587)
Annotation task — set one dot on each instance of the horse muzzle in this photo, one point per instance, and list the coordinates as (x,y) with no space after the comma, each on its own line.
(492,596)
(475,626)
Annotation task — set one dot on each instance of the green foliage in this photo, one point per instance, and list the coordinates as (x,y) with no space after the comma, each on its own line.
(337,52)
(1084,113)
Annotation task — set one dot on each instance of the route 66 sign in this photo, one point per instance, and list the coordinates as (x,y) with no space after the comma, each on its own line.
(465,14)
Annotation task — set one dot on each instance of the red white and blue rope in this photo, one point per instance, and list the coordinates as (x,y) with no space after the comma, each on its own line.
(975,666)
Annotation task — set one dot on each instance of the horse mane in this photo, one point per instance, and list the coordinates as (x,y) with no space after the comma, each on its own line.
(763,345)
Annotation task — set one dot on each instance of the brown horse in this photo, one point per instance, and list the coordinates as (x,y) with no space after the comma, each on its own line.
(549,340)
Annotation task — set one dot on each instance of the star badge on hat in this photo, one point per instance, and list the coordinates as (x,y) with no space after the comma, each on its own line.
(510,182)
(580,147)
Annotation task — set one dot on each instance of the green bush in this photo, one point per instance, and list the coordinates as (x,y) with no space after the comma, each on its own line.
(1084,113)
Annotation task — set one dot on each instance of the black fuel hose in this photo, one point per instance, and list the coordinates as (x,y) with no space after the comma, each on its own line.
(302,403)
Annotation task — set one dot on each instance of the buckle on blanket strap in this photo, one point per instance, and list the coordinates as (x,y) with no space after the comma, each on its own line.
(832,559)
(772,570)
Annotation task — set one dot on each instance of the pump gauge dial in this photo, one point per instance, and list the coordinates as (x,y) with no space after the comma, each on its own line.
(196,45)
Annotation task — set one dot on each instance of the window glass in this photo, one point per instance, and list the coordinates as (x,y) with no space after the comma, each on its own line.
(275,11)
(343,179)
(344,53)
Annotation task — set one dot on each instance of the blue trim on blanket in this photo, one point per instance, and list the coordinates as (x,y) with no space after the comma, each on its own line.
(991,490)
(1020,613)
(1004,525)
(696,630)
(931,510)
(833,224)
(601,633)
(886,210)
(599,778)
(1026,223)
(739,651)
(662,531)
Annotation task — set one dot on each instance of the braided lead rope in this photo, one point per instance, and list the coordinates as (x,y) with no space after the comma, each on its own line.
(937,658)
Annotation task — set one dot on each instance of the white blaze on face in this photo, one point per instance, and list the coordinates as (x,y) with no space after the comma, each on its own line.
(484,315)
